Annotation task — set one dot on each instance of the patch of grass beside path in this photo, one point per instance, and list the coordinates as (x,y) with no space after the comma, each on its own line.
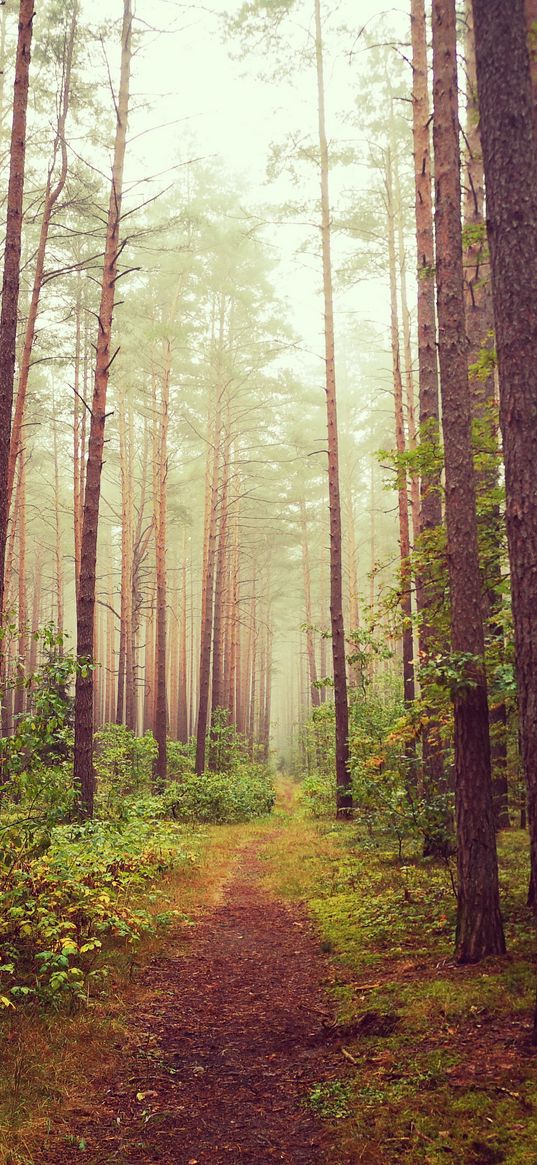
(442,1070)
(48,1059)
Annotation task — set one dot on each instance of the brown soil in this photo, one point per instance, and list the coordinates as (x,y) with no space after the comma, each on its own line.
(228,1040)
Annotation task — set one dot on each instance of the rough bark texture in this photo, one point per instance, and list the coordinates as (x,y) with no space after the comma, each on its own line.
(83,757)
(479,924)
(12,255)
(508,142)
(480,335)
(343,778)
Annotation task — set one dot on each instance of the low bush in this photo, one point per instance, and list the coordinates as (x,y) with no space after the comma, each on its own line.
(62,910)
(123,761)
(219,798)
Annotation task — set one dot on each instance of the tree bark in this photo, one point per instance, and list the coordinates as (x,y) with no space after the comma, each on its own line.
(480,334)
(343,777)
(161,705)
(400,443)
(429,595)
(12,256)
(83,755)
(210,560)
(52,194)
(479,924)
(509,149)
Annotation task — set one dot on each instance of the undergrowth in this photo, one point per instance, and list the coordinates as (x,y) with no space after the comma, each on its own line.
(436,1058)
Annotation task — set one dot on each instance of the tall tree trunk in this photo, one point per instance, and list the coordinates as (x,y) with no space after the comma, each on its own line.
(429,594)
(83,753)
(19,698)
(78,453)
(53,191)
(509,148)
(212,485)
(308,609)
(161,702)
(58,545)
(36,608)
(479,924)
(343,777)
(402,493)
(480,333)
(12,256)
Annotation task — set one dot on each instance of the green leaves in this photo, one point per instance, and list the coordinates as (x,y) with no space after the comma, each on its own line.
(61,911)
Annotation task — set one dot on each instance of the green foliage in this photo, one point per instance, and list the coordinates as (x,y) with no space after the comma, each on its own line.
(44,736)
(226,747)
(61,911)
(318,795)
(330,1099)
(241,795)
(180,758)
(123,763)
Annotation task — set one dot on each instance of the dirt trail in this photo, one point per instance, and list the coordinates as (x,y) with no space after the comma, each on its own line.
(230,1038)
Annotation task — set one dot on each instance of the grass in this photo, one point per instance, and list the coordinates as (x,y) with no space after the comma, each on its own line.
(453,1077)
(48,1060)
(437,1065)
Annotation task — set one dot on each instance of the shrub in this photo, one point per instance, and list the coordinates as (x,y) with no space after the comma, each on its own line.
(180,758)
(318,795)
(245,793)
(123,761)
(60,911)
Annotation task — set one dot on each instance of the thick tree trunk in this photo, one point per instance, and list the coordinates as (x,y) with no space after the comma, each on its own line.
(83,755)
(479,924)
(343,777)
(480,334)
(12,255)
(509,149)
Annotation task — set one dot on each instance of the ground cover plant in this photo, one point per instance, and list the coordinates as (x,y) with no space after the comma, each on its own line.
(440,1066)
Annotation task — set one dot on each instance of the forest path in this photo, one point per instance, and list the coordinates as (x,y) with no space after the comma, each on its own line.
(229,1038)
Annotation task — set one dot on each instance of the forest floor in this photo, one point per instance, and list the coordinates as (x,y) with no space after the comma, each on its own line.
(308,1010)
(229,1034)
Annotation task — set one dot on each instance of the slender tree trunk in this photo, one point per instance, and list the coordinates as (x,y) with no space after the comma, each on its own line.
(12,256)
(58,545)
(429,592)
(210,562)
(479,924)
(52,194)
(83,754)
(78,462)
(402,493)
(308,610)
(19,697)
(36,608)
(161,704)
(343,777)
